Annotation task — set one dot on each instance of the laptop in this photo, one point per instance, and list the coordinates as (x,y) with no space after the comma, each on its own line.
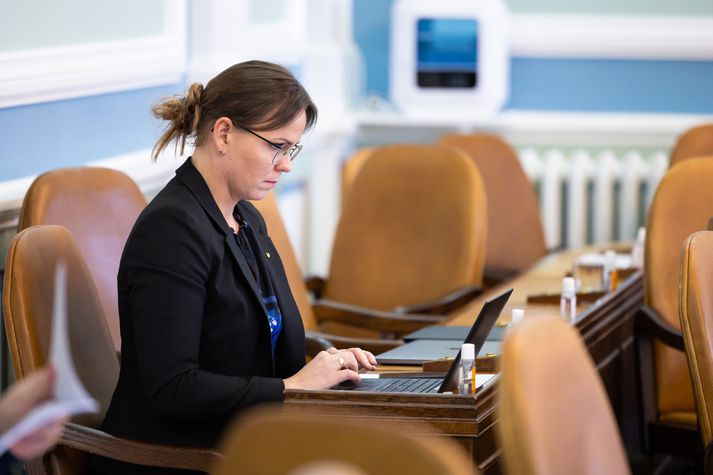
(427,383)
(442,332)
(418,352)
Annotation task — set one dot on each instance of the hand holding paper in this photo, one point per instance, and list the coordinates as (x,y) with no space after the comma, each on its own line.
(60,389)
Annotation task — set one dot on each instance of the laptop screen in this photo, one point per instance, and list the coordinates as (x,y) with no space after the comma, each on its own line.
(477,335)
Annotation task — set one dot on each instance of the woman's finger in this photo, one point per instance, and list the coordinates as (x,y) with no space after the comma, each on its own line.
(361,358)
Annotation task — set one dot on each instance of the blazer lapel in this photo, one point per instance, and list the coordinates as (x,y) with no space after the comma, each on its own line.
(192,179)
(243,264)
(265,245)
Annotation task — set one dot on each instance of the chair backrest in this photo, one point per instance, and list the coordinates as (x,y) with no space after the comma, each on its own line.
(351,169)
(99,207)
(413,229)
(276,229)
(516,239)
(304,440)
(27,308)
(682,205)
(695,142)
(696,313)
(548,426)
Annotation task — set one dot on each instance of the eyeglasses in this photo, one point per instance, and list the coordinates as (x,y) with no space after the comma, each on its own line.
(281,151)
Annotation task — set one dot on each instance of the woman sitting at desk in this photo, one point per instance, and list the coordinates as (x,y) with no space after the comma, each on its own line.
(208,324)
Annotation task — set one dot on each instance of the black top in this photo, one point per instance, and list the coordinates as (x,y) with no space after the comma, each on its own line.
(248,245)
(196,346)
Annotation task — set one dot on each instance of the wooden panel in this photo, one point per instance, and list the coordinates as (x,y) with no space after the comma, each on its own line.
(471,421)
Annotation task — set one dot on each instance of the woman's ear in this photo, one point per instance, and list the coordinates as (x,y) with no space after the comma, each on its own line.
(219,133)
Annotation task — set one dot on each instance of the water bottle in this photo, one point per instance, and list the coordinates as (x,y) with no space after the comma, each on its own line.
(518,315)
(637,251)
(568,302)
(609,275)
(466,373)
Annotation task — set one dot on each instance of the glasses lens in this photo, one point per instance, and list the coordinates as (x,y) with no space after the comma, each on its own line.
(282,154)
(295,150)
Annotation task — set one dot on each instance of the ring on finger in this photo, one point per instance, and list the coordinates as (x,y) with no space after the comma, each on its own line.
(342,364)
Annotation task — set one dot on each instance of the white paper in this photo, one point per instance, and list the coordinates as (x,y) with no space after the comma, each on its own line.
(481,379)
(70,396)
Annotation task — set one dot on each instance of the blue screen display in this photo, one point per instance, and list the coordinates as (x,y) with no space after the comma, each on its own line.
(447,53)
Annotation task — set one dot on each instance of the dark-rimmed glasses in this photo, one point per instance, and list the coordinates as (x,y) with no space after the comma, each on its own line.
(281,151)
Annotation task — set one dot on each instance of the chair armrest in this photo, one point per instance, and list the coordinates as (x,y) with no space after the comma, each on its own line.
(100,443)
(385,322)
(445,304)
(493,276)
(316,342)
(651,322)
(315,285)
(374,345)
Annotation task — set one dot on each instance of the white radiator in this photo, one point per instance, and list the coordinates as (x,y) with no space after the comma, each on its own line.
(593,197)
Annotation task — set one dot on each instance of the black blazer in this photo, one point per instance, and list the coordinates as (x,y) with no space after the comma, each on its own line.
(195,346)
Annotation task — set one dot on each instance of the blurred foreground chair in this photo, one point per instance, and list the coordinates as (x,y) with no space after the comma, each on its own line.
(696,313)
(27,307)
(682,205)
(695,142)
(546,429)
(359,317)
(99,207)
(516,239)
(307,443)
(411,237)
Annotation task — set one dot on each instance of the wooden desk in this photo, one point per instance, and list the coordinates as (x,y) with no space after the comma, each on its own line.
(607,329)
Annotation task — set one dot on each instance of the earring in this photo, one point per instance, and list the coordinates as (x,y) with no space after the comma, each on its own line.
(221,152)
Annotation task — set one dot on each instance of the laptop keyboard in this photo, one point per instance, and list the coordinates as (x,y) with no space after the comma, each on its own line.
(406,385)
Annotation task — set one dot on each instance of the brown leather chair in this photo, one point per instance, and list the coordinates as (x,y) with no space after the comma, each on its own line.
(27,308)
(552,429)
(361,317)
(682,205)
(311,444)
(412,233)
(99,207)
(695,142)
(696,314)
(351,169)
(516,239)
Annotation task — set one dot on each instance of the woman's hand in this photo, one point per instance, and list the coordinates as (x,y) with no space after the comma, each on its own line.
(39,441)
(22,398)
(330,368)
(365,359)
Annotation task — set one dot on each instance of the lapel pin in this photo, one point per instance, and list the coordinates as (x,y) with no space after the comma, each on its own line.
(267,254)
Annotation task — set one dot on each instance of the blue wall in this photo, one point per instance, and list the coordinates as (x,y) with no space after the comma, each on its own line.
(39,137)
(561,84)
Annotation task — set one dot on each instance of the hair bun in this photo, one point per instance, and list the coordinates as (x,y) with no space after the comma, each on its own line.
(193,96)
(192,112)
(183,113)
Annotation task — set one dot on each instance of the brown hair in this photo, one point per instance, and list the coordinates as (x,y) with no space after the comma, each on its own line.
(253,93)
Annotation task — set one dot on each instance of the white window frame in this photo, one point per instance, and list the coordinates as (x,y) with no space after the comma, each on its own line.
(222,35)
(54,73)
(611,37)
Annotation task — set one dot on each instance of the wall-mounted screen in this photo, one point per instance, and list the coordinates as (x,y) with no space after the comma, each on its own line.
(447,53)
(449,57)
